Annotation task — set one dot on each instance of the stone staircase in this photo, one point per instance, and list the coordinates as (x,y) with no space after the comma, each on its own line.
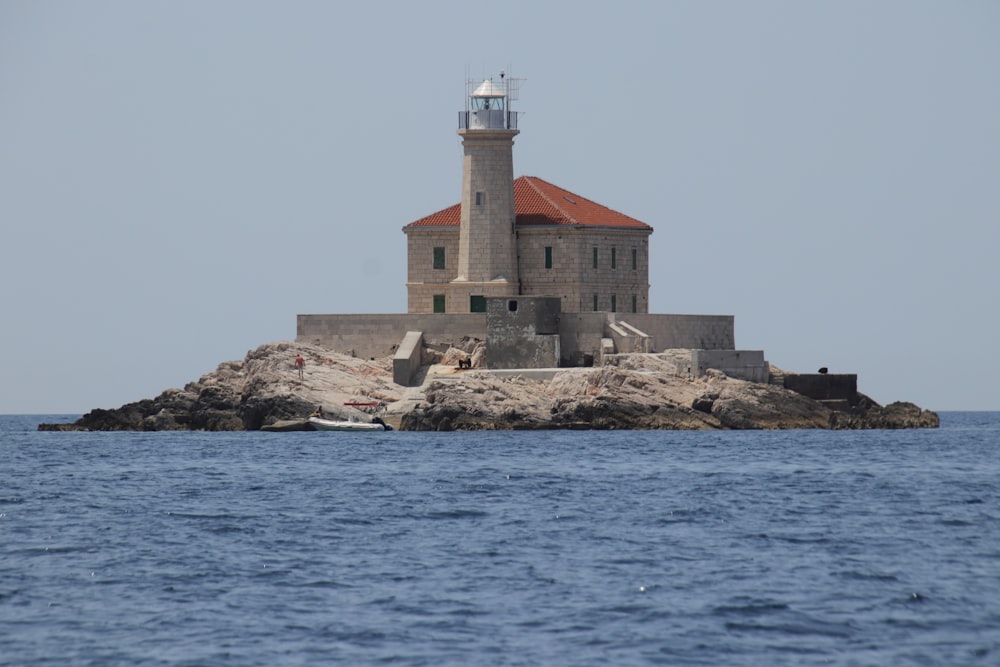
(627,338)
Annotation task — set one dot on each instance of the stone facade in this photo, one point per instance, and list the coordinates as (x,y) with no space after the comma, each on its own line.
(590,269)
(544,276)
(432,263)
(551,261)
(521,238)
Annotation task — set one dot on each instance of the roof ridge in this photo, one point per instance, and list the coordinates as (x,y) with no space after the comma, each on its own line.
(591,201)
(531,181)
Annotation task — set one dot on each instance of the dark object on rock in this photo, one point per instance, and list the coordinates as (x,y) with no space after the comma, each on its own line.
(704,403)
(823,370)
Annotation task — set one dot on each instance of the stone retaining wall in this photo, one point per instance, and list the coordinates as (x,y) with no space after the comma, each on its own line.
(377,336)
(825,387)
(580,334)
(748,365)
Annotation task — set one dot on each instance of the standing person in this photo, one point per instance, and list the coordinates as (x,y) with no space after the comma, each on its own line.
(300,365)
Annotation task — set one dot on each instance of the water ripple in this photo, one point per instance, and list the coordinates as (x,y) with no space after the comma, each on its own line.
(499,548)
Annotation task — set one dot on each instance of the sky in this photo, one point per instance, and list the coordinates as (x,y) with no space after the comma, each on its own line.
(179,179)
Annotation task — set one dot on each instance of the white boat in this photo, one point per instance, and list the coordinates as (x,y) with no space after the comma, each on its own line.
(321,424)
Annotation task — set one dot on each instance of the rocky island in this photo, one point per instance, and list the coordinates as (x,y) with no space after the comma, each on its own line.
(557,286)
(631,391)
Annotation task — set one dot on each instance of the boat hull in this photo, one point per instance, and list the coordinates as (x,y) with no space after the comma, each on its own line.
(337,425)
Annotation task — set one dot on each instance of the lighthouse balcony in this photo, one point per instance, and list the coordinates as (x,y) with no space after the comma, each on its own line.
(487,119)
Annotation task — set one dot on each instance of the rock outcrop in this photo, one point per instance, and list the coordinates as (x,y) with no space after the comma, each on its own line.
(638,392)
(615,397)
(261,390)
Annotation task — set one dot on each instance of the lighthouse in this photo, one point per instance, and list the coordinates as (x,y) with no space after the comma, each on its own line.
(487,249)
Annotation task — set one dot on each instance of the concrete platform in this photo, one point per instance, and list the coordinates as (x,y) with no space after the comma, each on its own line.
(537,374)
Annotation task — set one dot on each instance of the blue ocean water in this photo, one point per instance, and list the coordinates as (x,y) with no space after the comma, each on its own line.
(555,548)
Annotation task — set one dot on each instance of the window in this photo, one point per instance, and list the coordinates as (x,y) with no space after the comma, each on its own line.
(480,198)
(635,302)
(595,257)
(548,257)
(438,258)
(635,259)
(477,303)
(439,303)
(614,307)
(613,263)
(595,303)
(512,306)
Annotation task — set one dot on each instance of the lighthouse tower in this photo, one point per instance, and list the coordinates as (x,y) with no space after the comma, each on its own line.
(487,251)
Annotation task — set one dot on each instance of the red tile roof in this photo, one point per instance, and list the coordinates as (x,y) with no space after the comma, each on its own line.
(448,217)
(538,202)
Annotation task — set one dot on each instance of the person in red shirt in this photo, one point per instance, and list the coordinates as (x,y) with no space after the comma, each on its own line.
(300,365)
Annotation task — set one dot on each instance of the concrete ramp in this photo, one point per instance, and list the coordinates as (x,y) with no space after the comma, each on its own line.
(406,361)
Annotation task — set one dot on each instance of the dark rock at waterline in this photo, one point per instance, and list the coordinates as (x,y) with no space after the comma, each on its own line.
(288,426)
(257,412)
(870,415)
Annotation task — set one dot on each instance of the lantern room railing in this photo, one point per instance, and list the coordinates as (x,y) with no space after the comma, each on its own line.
(487,119)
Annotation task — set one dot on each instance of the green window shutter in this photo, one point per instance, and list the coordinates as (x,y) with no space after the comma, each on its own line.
(438,258)
(477,303)
(635,303)
(595,259)
(548,257)
(613,263)
(635,259)
(614,305)
(595,303)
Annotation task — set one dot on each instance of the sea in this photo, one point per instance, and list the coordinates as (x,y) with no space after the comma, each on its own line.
(501,548)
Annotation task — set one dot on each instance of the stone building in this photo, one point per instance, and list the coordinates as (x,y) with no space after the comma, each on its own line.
(544,276)
(526,237)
